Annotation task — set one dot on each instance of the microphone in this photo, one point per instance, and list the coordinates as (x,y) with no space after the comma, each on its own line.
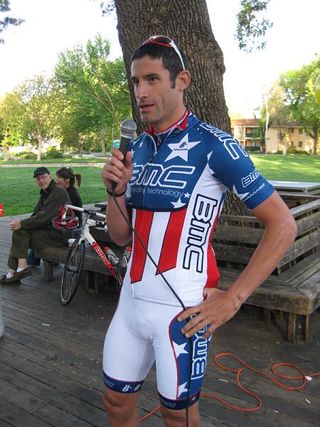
(127,132)
(128,129)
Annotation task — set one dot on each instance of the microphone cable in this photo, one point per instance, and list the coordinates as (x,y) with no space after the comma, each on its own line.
(134,232)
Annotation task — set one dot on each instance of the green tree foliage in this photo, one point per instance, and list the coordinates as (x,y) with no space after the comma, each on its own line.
(6,21)
(299,96)
(29,112)
(95,93)
(11,117)
(279,113)
(252,25)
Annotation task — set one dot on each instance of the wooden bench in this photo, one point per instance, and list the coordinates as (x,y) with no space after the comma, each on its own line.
(95,273)
(290,295)
(289,299)
(292,292)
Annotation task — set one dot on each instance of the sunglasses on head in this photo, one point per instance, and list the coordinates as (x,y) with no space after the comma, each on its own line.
(166,42)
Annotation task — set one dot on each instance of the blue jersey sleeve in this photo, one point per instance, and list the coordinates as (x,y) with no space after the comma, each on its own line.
(232,166)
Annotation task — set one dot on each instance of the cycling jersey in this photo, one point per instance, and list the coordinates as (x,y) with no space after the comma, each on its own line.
(180,178)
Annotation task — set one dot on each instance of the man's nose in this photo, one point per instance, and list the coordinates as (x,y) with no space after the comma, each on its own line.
(141,90)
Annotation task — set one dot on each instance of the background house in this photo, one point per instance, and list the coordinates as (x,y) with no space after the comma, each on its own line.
(279,138)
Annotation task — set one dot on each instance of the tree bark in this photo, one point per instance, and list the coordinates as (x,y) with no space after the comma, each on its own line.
(188,23)
(102,136)
(39,151)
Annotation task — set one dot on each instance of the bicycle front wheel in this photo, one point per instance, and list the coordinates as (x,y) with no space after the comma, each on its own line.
(71,272)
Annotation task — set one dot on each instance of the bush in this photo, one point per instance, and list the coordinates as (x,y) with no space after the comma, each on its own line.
(53,153)
(27,155)
(294,150)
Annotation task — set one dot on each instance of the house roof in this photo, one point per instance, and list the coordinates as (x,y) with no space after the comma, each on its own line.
(244,122)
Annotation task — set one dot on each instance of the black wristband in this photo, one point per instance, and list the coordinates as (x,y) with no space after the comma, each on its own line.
(115,194)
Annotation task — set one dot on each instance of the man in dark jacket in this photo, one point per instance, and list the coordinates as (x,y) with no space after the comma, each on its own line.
(36,231)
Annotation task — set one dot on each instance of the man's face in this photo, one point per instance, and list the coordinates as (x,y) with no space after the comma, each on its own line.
(43,180)
(160,104)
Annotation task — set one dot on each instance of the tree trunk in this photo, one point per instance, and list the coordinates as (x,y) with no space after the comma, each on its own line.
(39,152)
(315,140)
(189,25)
(103,142)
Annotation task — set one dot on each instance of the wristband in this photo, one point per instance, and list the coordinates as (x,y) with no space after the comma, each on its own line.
(115,194)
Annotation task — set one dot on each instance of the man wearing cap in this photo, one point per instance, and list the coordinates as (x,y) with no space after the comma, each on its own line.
(36,231)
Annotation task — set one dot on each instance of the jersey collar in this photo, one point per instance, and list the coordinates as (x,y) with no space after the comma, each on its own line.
(181,125)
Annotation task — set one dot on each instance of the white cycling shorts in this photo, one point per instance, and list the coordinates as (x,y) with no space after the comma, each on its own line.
(142,333)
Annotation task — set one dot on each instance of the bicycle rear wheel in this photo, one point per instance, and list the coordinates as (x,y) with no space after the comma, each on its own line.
(71,272)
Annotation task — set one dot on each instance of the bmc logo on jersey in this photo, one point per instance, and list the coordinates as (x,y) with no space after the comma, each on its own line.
(247,180)
(153,174)
(201,222)
(232,146)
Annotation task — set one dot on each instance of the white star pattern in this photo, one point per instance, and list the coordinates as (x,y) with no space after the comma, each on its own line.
(180,348)
(181,149)
(178,204)
(182,388)
(187,195)
(240,195)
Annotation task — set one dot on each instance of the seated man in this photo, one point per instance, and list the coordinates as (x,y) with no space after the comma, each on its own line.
(36,232)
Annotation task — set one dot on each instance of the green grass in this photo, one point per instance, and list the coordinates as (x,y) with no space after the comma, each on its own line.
(48,161)
(19,192)
(292,167)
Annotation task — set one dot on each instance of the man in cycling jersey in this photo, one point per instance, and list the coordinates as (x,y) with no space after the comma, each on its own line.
(171,187)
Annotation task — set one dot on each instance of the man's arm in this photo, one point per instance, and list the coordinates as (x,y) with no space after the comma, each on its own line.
(117,172)
(42,219)
(220,306)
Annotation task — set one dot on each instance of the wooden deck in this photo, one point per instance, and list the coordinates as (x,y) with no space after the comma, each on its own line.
(50,361)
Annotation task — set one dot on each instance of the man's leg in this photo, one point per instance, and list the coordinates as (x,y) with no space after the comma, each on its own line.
(181,364)
(127,358)
(32,260)
(19,250)
(177,418)
(121,408)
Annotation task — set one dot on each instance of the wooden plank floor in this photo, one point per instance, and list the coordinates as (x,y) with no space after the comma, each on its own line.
(50,361)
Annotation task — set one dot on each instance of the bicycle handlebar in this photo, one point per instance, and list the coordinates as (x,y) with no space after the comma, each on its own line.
(90,212)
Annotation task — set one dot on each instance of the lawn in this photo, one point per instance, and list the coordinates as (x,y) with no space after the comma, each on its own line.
(19,193)
(291,167)
(47,161)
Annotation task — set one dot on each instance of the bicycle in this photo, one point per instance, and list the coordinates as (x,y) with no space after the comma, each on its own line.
(75,259)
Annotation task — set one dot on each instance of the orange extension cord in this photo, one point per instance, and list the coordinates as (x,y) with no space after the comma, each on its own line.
(276,379)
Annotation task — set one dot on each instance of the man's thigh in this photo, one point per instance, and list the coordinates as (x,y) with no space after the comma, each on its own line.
(46,239)
(180,361)
(128,352)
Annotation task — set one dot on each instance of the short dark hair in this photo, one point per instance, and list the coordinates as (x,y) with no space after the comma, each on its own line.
(169,57)
(67,173)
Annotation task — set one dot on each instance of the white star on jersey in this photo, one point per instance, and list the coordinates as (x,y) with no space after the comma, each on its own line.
(181,149)
(182,388)
(178,204)
(179,349)
(240,195)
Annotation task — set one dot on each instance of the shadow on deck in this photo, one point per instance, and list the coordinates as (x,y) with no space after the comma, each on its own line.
(50,361)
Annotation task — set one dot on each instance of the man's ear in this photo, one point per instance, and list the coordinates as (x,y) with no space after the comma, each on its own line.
(183,80)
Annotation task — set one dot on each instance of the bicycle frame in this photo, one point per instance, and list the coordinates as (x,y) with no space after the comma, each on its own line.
(87,236)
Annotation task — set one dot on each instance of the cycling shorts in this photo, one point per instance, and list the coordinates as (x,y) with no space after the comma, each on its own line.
(144,332)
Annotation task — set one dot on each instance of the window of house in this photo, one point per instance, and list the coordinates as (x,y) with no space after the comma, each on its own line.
(300,131)
(291,130)
(291,143)
(300,144)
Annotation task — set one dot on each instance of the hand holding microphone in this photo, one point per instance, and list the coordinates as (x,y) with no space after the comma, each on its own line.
(117,172)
